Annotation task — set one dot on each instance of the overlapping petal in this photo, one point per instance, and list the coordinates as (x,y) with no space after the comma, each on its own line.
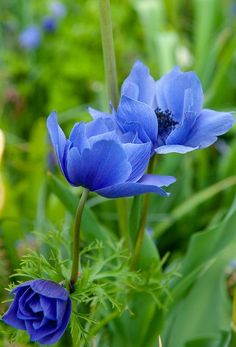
(10,317)
(147,184)
(131,112)
(57,137)
(208,126)
(99,157)
(179,92)
(49,289)
(182,125)
(138,156)
(104,164)
(42,308)
(139,85)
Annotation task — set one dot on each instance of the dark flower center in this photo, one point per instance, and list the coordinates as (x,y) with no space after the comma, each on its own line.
(166,124)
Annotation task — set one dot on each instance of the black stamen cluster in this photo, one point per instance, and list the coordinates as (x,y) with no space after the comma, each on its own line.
(166,123)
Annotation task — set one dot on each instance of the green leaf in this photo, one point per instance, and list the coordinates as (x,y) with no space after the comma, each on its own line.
(201,291)
(223,341)
(193,202)
(204,247)
(204,312)
(131,329)
(205,20)
(135,324)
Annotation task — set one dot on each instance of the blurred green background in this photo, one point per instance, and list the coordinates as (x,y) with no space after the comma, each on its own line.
(65,73)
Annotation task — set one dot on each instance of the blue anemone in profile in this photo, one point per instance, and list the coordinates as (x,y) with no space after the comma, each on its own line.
(97,158)
(168,112)
(30,38)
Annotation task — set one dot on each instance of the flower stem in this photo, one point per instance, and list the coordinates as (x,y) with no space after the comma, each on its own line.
(142,224)
(76,239)
(113,94)
(108,51)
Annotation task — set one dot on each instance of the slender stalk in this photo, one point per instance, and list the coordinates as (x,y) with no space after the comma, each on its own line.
(143,220)
(108,51)
(76,239)
(113,94)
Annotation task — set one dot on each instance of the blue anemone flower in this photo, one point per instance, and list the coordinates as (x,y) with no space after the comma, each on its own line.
(42,308)
(57,9)
(168,112)
(49,24)
(97,158)
(30,38)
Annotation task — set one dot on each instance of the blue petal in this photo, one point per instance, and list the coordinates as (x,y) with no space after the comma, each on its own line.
(135,112)
(138,156)
(110,135)
(139,85)
(160,87)
(34,303)
(180,92)
(42,329)
(139,134)
(10,317)
(180,134)
(131,137)
(103,165)
(24,311)
(48,331)
(20,287)
(57,137)
(130,89)
(78,137)
(98,114)
(52,338)
(61,309)
(37,324)
(208,126)
(49,307)
(99,126)
(49,289)
(75,170)
(174,149)
(147,184)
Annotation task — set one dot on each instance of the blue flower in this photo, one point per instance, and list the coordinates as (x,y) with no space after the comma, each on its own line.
(42,308)
(30,38)
(49,24)
(57,9)
(168,112)
(95,157)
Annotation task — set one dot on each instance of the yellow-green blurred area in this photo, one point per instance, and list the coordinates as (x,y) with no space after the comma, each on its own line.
(65,73)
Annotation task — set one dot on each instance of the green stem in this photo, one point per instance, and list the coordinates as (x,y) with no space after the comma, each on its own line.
(108,51)
(142,224)
(113,95)
(122,211)
(76,239)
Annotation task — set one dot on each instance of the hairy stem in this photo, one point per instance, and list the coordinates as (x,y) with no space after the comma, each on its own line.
(76,239)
